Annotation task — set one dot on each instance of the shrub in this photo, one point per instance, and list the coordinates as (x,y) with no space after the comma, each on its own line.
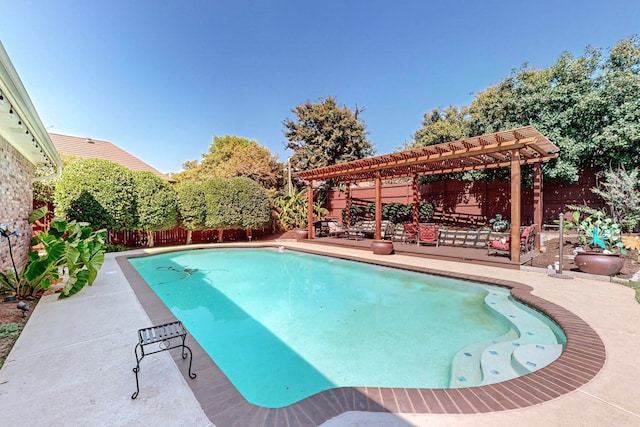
(621,191)
(292,211)
(97,191)
(191,207)
(156,204)
(235,203)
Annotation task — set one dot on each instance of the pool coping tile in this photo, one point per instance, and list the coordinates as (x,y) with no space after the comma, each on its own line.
(583,358)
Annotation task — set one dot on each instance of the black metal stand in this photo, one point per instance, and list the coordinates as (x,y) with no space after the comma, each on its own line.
(161,335)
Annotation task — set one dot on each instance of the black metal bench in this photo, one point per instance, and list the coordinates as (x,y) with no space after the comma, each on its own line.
(162,336)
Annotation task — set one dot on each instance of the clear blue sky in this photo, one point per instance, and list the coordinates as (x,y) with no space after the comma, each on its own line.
(160,78)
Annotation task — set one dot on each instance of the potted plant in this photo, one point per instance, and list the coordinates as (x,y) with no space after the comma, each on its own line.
(499,223)
(599,237)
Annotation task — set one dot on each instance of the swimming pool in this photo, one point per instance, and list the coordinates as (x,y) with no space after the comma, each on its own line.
(283,326)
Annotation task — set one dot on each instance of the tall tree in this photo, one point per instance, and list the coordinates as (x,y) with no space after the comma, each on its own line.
(587,105)
(325,133)
(234,156)
(442,125)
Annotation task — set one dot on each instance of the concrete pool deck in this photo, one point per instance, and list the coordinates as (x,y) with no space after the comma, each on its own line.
(72,364)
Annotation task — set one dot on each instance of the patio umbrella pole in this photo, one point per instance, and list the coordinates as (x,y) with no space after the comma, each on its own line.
(558,272)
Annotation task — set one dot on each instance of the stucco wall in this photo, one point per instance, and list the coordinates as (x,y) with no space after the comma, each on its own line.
(16,193)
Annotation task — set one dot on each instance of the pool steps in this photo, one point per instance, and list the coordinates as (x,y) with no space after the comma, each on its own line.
(528,346)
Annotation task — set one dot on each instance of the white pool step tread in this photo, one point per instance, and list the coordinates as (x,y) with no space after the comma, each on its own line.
(531,357)
(465,367)
(495,362)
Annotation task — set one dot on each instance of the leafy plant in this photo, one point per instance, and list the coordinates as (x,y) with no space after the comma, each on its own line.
(621,191)
(9,333)
(71,246)
(396,212)
(425,211)
(291,211)
(596,229)
(356,214)
(115,248)
(499,223)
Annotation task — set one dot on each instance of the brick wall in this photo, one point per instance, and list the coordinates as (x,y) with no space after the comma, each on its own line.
(16,174)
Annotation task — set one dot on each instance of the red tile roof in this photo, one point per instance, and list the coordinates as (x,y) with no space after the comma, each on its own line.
(89,148)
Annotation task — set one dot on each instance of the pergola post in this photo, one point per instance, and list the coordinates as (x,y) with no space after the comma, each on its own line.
(515,206)
(416,213)
(347,216)
(537,203)
(310,210)
(378,206)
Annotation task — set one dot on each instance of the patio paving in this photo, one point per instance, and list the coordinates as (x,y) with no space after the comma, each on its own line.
(72,364)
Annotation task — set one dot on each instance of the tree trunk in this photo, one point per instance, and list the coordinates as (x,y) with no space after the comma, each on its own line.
(220,233)
(150,239)
(189,237)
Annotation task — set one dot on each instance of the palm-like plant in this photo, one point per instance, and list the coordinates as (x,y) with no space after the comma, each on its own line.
(291,211)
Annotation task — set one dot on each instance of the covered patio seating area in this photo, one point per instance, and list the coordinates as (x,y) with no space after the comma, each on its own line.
(507,149)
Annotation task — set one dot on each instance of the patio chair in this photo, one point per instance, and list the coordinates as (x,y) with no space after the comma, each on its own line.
(503,245)
(386,229)
(428,234)
(398,233)
(410,233)
(336,230)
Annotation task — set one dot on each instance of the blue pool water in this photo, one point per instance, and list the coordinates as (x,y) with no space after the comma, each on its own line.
(285,325)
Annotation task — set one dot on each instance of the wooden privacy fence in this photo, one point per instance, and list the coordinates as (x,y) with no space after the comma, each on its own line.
(473,203)
(178,236)
(175,236)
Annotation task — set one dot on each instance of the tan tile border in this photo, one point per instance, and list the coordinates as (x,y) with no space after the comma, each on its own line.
(582,359)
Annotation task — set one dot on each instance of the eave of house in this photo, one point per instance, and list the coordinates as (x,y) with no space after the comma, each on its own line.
(20,124)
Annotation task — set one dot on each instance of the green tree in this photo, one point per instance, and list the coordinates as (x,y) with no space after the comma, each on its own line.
(99,192)
(191,207)
(156,204)
(588,106)
(235,203)
(442,125)
(233,156)
(618,136)
(325,133)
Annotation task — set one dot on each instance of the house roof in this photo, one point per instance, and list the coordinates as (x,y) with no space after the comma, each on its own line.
(90,148)
(20,124)
(479,152)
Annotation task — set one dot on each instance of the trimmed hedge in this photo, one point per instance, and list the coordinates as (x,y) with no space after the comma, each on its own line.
(191,205)
(99,192)
(235,203)
(156,204)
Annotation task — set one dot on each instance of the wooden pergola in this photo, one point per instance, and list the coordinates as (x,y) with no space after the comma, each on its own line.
(513,149)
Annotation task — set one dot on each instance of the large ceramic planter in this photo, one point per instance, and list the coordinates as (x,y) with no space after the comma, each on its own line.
(301,234)
(382,247)
(599,263)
